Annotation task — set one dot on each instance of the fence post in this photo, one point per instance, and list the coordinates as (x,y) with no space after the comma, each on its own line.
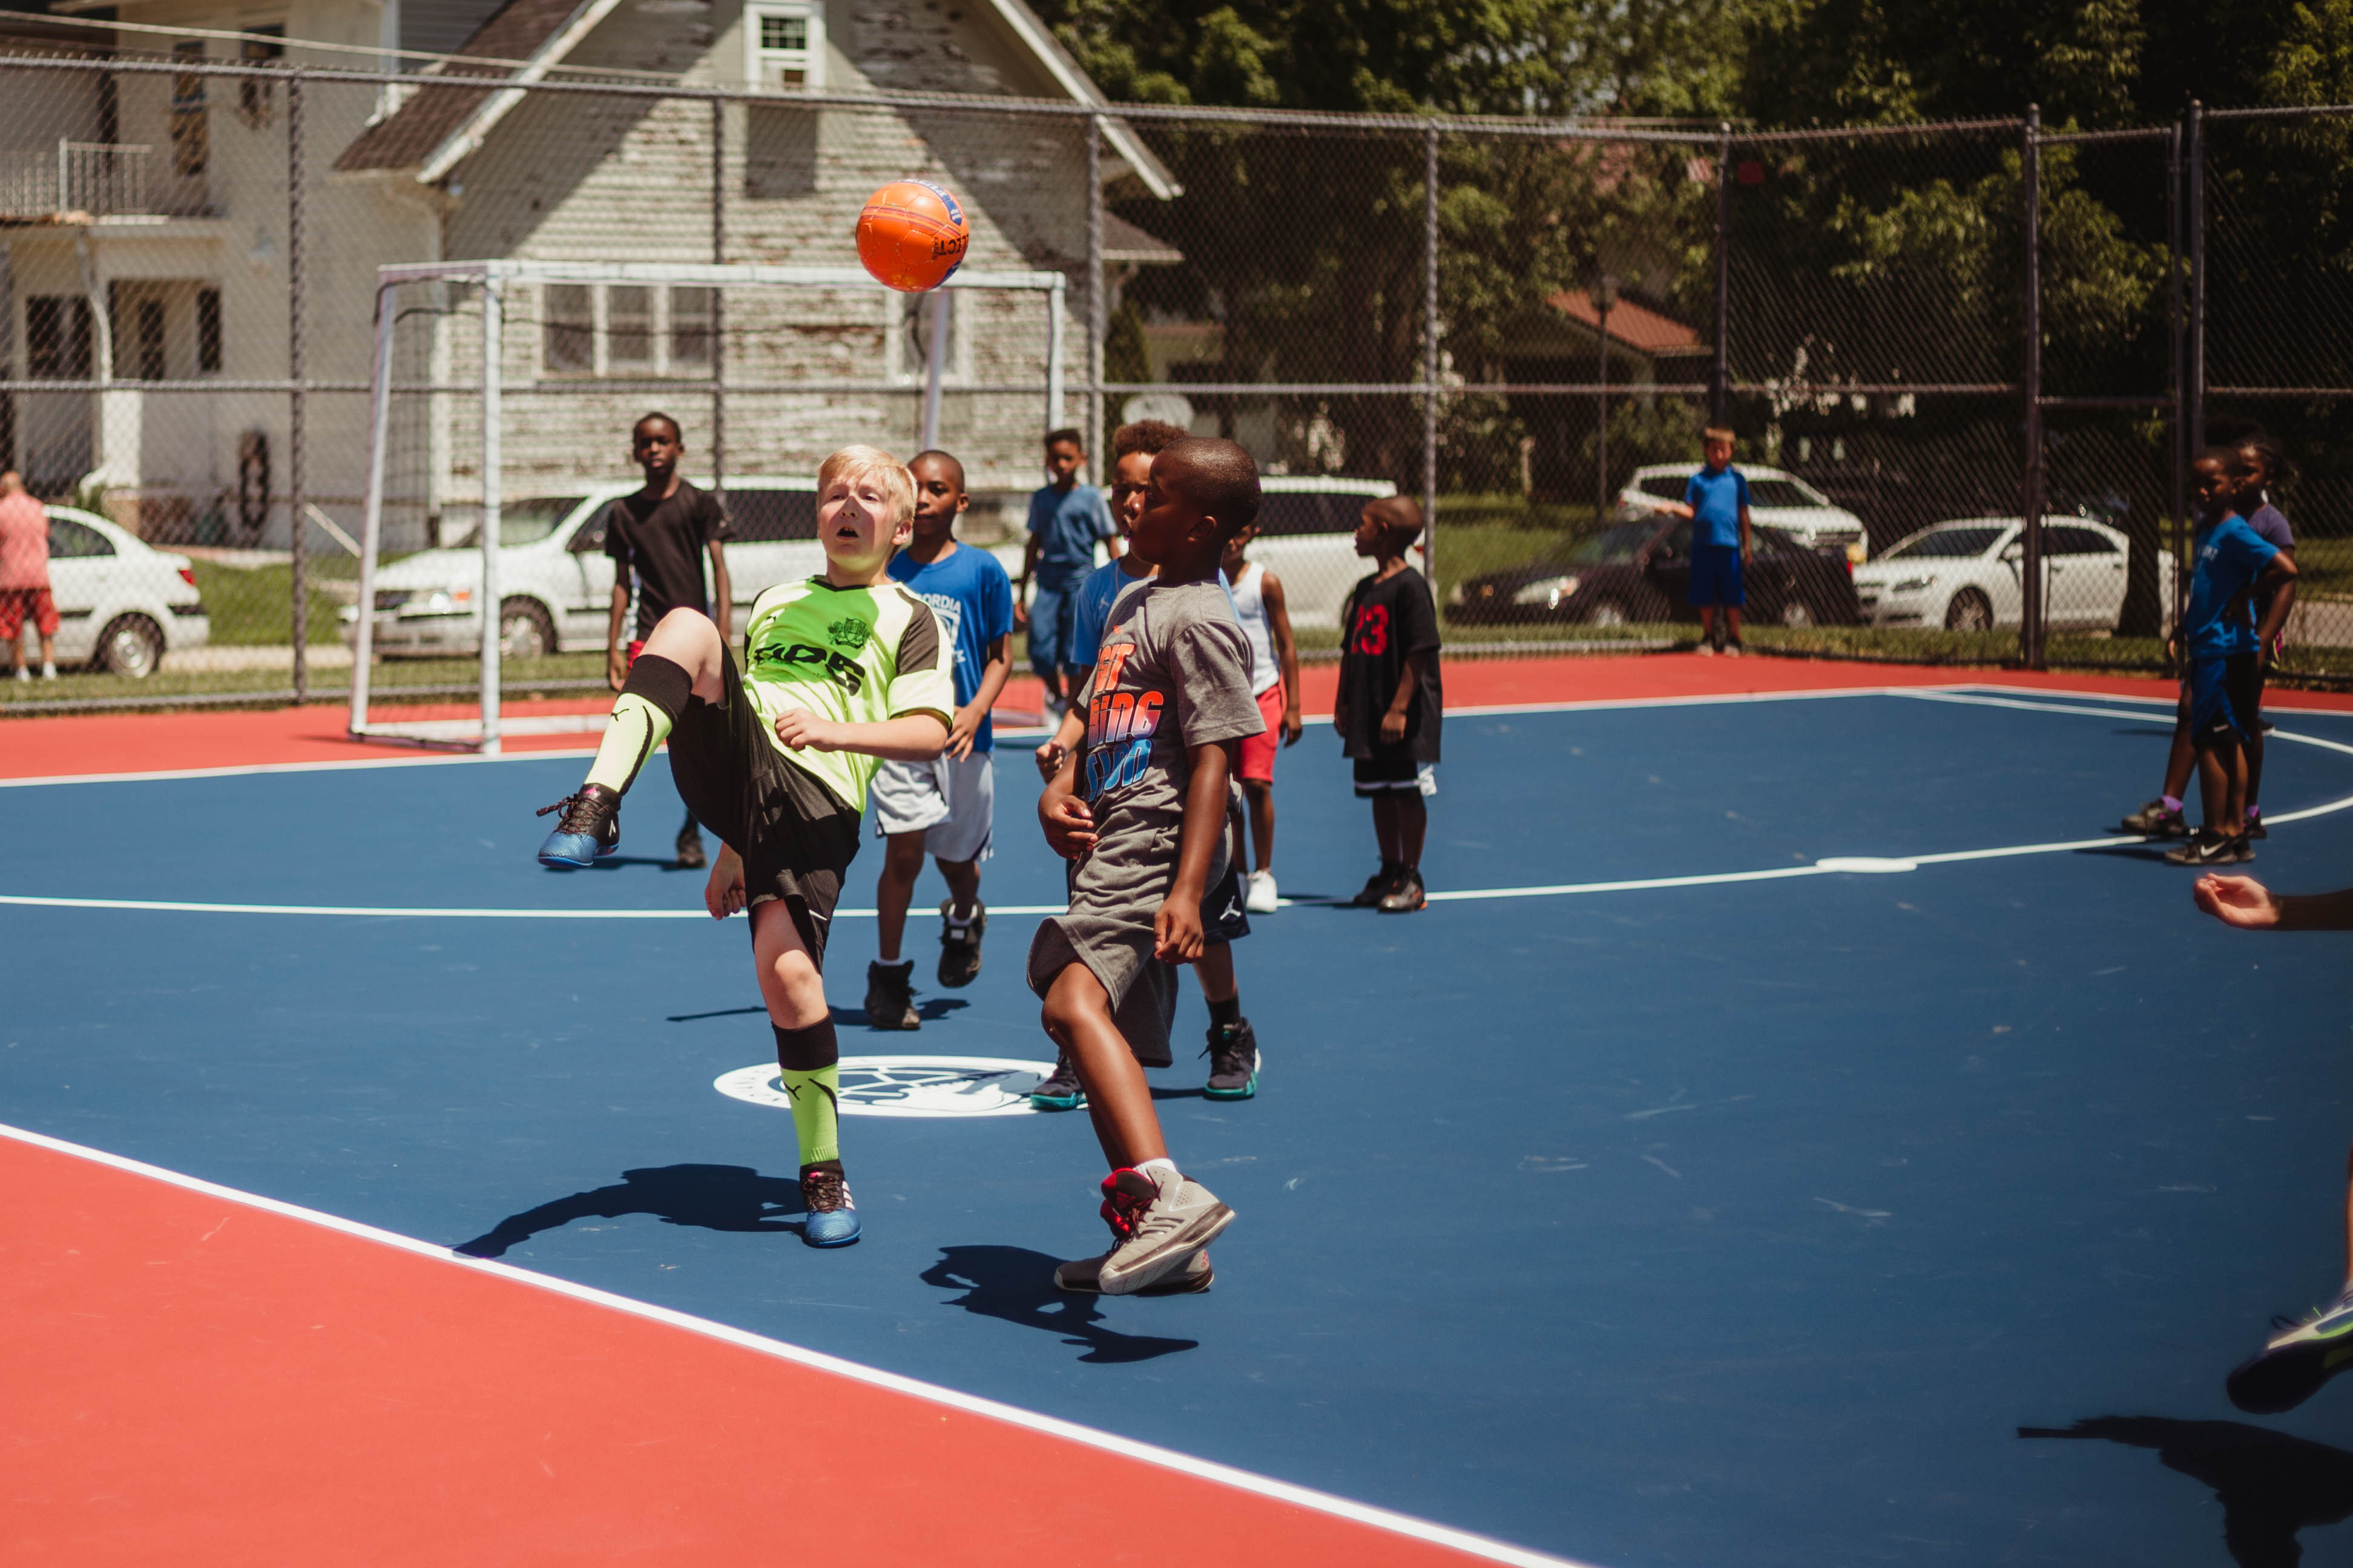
(2193,434)
(1720,394)
(2031,622)
(719,314)
(2178,451)
(1430,356)
(494,342)
(1098,305)
(296,494)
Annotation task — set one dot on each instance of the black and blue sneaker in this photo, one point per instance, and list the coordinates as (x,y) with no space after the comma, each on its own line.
(2295,1361)
(1233,1061)
(589,828)
(832,1218)
(1061,1090)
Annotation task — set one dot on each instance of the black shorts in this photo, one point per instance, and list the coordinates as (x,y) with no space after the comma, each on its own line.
(1390,772)
(796,835)
(2226,692)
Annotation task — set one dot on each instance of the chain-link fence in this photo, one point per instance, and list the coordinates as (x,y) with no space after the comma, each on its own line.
(1961,360)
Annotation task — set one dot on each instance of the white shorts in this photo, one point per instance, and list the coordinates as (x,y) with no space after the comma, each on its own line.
(952,804)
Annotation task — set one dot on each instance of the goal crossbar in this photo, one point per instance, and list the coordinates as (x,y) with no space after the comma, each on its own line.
(493,277)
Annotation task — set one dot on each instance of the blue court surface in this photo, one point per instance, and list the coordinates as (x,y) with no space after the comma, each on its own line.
(1909,1213)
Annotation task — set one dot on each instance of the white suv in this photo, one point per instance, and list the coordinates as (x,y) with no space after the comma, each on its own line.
(555,582)
(1775,498)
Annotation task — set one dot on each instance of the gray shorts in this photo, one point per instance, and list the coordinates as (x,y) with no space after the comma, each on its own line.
(1115,892)
(952,803)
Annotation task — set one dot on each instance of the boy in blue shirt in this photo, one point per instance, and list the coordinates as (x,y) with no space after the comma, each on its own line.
(1066,518)
(2230,565)
(945,807)
(1716,500)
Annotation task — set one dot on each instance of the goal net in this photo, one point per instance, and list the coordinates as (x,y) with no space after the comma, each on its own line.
(502,398)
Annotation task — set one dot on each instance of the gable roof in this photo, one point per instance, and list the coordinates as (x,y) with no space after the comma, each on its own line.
(1634,327)
(436,128)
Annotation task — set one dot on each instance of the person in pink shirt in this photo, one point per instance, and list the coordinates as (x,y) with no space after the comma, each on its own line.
(25,575)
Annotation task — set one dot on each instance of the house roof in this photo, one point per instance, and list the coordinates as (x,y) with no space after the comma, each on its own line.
(439,127)
(1636,328)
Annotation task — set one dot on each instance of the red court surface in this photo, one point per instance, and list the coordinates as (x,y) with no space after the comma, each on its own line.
(156,743)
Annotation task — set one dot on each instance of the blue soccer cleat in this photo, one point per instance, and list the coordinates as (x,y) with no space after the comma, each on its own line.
(589,829)
(832,1218)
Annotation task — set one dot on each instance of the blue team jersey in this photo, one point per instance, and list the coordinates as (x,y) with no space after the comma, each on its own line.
(1093,599)
(2225,561)
(1716,497)
(1067,523)
(972,598)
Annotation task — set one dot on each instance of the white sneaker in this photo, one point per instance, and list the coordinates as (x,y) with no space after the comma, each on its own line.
(23,674)
(1705,651)
(48,672)
(1169,1221)
(1260,899)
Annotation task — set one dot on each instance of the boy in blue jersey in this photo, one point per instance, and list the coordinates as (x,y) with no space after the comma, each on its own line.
(946,808)
(1066,518)
(1716,500)
(2230,565)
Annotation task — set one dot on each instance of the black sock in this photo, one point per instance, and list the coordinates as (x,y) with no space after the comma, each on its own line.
(1225,1014)
(807,1050)
(661,682)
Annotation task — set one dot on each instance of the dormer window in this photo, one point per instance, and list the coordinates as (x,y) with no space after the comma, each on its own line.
(786,45)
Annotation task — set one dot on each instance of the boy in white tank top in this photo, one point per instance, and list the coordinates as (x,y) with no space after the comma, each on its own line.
(1274,681)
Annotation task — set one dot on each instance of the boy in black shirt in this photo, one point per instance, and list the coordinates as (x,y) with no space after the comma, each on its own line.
(1389,701)
(654,537)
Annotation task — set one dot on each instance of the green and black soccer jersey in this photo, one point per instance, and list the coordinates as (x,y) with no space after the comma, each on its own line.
(853,656)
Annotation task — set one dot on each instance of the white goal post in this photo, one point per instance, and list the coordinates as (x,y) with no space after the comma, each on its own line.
(493,279)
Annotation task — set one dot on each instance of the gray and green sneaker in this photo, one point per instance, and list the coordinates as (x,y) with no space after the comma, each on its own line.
(2295,1361)
(1233,1058)
(1061,1090)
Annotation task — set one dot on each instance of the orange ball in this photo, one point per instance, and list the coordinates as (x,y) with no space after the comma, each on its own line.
(912,235)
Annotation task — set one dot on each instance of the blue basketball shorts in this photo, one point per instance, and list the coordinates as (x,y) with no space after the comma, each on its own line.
(1715,575)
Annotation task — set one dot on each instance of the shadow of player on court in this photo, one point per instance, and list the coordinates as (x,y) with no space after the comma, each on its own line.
(1017,1285)
(2270,1485)
(711,1197)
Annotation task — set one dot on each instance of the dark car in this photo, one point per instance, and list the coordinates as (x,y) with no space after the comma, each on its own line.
(1641,570)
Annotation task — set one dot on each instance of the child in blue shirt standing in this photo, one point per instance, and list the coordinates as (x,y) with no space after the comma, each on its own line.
(1716,500)
(1066,518)
(2230,565)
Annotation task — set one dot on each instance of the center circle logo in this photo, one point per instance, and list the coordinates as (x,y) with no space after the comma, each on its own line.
(908,1086)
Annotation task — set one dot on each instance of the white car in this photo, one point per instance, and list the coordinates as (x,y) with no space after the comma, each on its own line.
(121,603)
(1775,498)
(1968,575)
(555,582)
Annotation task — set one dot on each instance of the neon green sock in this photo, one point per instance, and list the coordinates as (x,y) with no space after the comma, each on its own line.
(815,1095)
(636,728)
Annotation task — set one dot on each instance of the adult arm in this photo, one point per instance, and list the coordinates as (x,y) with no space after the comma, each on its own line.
(617,659)
(1286,652)
(722,592)
(1176,929)
(2246,903)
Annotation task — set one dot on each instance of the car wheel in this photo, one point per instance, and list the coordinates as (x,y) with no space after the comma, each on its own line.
(1607,613)
(524,630)
(1796,613)
(130,647)
(1971,611)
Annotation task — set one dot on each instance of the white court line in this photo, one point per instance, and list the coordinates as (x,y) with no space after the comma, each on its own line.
(1069,1431)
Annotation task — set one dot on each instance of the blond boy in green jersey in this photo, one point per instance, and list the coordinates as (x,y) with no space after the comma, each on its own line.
(846,670)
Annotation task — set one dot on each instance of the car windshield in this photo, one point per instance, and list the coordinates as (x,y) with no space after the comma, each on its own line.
(1611,546)
(1945,543)
(1781,492)
(1666,487)
(524,521)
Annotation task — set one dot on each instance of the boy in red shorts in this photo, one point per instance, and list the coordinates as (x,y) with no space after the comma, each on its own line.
(25,575)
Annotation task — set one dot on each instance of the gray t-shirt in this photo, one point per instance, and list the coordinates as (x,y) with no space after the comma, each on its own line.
(1172,673)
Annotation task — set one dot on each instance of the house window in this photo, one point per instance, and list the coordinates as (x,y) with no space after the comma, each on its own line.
(254,98)
(786,44)
(208,330)
(147,342)
(57,336)
(691,311)
(190,137)
(626,330)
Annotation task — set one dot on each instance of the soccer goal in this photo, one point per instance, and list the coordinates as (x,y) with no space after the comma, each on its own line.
(500,401)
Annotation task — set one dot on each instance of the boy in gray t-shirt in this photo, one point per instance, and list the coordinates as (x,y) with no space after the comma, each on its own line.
(1141,807)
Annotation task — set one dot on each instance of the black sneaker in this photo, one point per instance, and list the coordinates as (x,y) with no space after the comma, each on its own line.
(691,856)
(2156,821)
(1407,896)
(1233,1058)
(2210,849)
(1060,1091)
(2255,828)
(891,996)
(960,944)
(1377,886)
(589,829)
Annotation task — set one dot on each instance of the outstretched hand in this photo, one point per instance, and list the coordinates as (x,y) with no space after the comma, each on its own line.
(2240,901)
